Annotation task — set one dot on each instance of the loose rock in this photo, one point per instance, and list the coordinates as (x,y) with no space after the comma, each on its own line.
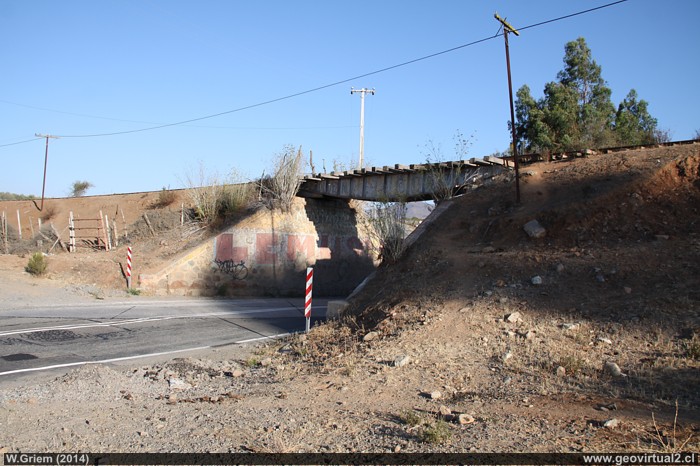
(401,360)
(178,384)
(371,336)
(534,229)
(536,280)
(465,419)
(611,423)
(513,317)
(613,369)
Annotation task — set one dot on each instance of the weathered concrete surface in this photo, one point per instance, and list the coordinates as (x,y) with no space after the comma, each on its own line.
(276,249)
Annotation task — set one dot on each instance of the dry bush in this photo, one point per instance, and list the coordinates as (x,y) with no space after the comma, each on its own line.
(446,184)
(49,212)
(280,189)
(79,188)
(216,199)
(386,225)
(166,197)
(329,344)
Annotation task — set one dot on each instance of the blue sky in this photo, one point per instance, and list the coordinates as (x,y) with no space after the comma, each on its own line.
(78,68)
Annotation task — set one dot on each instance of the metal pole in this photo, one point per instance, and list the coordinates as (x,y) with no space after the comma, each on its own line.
(362,93)
(362,131)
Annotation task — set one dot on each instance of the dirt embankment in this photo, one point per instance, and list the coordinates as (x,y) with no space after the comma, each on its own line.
(479,338)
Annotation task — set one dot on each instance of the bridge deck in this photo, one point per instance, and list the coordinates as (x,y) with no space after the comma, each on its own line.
(408,183)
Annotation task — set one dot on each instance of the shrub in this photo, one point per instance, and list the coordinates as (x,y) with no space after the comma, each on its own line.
(437,433)
(411,418)
(5,196)
(37,264)
(165,198)
(79,188)
(48,213)
(386,222)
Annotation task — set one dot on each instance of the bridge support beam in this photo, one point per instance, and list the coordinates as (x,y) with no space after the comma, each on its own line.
(400,183)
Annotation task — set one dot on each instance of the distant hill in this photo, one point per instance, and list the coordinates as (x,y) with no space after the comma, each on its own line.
(419,210)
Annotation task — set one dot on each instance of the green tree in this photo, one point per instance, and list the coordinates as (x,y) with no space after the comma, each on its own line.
(531,131)
(595,110)
(577,112)
(560,118)
(633,123)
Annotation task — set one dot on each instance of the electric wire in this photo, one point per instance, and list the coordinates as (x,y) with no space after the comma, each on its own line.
(20,142)
(326,86)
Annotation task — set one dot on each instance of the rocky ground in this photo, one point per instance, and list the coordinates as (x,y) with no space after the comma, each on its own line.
(479,339)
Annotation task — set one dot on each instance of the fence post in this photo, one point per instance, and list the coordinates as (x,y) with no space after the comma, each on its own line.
(4,232)
(307,302)
(115,234)
(71,230)
(126,232)
(108,233)
(19,225)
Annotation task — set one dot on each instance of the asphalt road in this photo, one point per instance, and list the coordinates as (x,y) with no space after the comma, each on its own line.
(63,336)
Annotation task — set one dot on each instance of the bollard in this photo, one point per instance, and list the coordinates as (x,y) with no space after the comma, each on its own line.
(307,302)
(128,267)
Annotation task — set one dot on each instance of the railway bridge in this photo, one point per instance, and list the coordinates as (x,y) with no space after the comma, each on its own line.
(407,183)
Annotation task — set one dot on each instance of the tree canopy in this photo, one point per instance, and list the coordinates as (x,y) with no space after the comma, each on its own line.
(577,112)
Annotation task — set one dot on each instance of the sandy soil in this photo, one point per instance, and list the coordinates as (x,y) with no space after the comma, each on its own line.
(456,347)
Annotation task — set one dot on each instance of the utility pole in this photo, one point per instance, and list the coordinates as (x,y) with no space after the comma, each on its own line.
(506,29)
(362,93)
(46,161)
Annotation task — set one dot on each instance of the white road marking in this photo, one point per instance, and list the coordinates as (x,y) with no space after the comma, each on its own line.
(137,356)
(121,323)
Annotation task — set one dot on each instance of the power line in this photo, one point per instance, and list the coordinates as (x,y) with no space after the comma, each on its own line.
(571,15)
(326,86)
(20,142)
(85,115)
(287,97)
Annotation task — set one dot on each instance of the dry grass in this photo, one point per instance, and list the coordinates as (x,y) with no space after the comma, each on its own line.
(672,440)
(280,189)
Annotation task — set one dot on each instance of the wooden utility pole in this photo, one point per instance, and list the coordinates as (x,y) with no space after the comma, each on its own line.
(46,161)
(506,29)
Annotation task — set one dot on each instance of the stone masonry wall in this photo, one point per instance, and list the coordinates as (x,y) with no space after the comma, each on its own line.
(275,249)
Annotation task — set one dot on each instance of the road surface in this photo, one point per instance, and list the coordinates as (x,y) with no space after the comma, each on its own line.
(64,336)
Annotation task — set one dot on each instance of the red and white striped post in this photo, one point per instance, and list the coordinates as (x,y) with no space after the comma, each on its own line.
(128,267)
(307,302)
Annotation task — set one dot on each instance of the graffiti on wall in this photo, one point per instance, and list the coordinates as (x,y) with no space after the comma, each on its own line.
(273,248)
(238,270)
